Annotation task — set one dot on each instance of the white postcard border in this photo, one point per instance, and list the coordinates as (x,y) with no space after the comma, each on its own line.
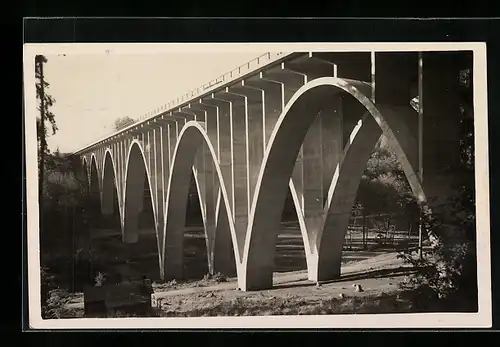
(481,319)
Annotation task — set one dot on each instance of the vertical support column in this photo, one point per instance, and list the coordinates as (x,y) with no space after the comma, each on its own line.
(238,120)
(177,201)
(351,65)
(108,187)
(441,127)
(254,130)
(172,261)
(352,112)
(312,176)
(259,260)
(274,102)
(118,178)
(152,181)
(165,160)
(341,116)
(216,233)
(200,176)
(225,149)
(173,130)
(134,194)
(158,165)
(396,81)
(211,190)
(165,166)
(290,82)
(95,192)
(332,138)
(396,75)
(223,251)
(290,88)
(323,152)
(141,139)
(324,139)
(121,181)
(353,164)
(204,174)
(85,174)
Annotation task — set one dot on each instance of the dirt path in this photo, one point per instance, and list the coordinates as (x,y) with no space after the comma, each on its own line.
(386,262)
(380,274)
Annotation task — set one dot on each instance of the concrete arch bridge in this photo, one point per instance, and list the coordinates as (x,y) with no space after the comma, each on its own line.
(299,122)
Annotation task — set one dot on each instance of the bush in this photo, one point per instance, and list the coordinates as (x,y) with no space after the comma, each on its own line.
(56,305)
(448,268)
(217,278)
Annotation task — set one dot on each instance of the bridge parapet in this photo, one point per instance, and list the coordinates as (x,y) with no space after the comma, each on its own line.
(236,74)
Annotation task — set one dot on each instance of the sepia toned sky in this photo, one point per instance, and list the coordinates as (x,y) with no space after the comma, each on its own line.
(92,91)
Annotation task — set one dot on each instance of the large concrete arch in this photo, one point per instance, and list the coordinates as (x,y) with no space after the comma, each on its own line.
(277,167)
(109,191)
(190,140)
(327,242)
(136,171)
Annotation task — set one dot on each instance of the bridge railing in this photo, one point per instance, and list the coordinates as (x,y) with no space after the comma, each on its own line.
(213,84)
(204,89)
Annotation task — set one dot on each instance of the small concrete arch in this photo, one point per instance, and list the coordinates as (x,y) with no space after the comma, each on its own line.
(136,171)
(277,167)
(219,244)
(94,174)
(94,191)
(109,192)
(93,159)
(85,173)
(190,140)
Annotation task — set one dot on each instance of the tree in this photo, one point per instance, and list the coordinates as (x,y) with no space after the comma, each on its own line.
(46,101)
(123,122)
(450,269)
(384,187)
(64,236)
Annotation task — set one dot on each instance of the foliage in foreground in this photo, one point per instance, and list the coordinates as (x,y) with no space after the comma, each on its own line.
(65,257)
(449,267)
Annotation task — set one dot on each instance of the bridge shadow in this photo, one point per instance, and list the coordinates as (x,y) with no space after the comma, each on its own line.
(195,249)
(120,261)
(373,274)
(141,259)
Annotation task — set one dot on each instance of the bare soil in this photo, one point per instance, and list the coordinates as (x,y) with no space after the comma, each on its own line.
(292,294)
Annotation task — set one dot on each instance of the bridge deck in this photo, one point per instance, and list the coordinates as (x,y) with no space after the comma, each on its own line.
(254,66)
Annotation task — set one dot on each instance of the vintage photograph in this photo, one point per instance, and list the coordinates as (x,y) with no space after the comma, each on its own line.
(342,182)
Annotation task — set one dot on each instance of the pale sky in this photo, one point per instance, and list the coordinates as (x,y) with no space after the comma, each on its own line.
(92,91)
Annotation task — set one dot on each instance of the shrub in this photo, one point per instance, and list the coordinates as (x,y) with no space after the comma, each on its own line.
(448,267)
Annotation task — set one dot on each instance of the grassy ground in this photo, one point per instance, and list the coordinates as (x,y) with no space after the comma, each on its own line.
(292,294)
(369,264)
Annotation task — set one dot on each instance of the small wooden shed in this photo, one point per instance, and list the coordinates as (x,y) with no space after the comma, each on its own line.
(128,297)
